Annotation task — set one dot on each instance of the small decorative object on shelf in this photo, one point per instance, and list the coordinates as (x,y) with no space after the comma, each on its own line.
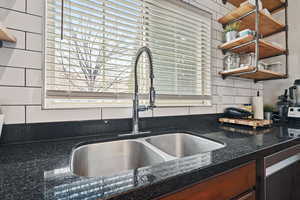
(253,3)
(272,5)
(231,61)
(246,32)
(247,59)
(247,17)
(231,31)
(5,35)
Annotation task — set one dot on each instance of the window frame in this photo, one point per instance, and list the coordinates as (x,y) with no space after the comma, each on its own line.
(201,101)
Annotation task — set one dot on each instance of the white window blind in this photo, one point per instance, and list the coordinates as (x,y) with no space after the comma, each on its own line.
(90,47)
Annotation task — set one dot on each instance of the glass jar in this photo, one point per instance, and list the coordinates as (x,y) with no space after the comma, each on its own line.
(231,61)
(247,60)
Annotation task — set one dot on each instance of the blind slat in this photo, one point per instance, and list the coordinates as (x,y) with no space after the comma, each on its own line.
(95,58)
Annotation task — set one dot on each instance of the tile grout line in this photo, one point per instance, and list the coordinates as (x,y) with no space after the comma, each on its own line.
(25,79)
(25,114)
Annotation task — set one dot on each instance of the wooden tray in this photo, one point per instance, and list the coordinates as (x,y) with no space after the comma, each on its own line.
(247,122)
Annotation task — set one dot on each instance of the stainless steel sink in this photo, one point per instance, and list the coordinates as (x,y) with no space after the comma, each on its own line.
(182,145)
(108,158)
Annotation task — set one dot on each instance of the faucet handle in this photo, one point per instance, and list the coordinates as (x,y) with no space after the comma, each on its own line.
(142,108)
(152,97)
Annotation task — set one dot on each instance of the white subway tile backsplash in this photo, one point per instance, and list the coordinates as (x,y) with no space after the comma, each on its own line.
(33,78)
(20,96)
(203,110)
(118,113)
(12,76)
(34,41)
(20,58)
(170,111)
(242,100)
(35,7)
(258,86)
(214,90)
(244,92)
(243,83)
(216,100)
(35,114)
(115,113)
(13,114)
(218,81)
(225,100)
(254,92)
(21,67)
(229,91)
(21,21)
(18,5)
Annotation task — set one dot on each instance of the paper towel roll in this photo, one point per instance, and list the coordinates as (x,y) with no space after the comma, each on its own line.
(258,107)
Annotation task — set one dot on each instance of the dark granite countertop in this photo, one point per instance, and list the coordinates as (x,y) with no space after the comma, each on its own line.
(41,170)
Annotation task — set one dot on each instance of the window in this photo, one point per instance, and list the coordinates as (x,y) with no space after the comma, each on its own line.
(90,47)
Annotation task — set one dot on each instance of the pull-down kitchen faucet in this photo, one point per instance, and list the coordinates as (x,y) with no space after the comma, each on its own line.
(136,107)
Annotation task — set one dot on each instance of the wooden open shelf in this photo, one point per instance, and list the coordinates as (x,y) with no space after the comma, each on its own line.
(236,42)
(271,5)
(261,74)
(5,35)
(268,25)
(267,49)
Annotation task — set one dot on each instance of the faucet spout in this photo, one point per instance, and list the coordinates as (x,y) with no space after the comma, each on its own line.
(136,107)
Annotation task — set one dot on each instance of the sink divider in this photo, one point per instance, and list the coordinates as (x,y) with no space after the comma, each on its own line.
(161,153)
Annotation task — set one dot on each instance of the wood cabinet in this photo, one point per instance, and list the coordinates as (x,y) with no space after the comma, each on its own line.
(231,184)
(296,181)
(282,175)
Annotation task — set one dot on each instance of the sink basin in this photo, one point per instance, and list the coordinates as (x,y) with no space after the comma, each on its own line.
(109,158)
(181,145)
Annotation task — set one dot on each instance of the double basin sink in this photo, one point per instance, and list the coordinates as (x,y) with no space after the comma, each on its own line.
(109,158)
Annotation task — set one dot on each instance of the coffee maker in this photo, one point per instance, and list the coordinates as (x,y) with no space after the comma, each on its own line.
(283,106)
(294,109)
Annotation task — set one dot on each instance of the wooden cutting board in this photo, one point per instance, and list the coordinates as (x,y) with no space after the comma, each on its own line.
(247,122)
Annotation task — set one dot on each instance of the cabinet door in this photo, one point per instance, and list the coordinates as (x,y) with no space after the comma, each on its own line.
(284,184)
(296,181)
(222,187)
(279,186)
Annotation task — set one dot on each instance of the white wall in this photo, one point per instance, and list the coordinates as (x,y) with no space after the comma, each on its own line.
(275,88)
(20,71)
